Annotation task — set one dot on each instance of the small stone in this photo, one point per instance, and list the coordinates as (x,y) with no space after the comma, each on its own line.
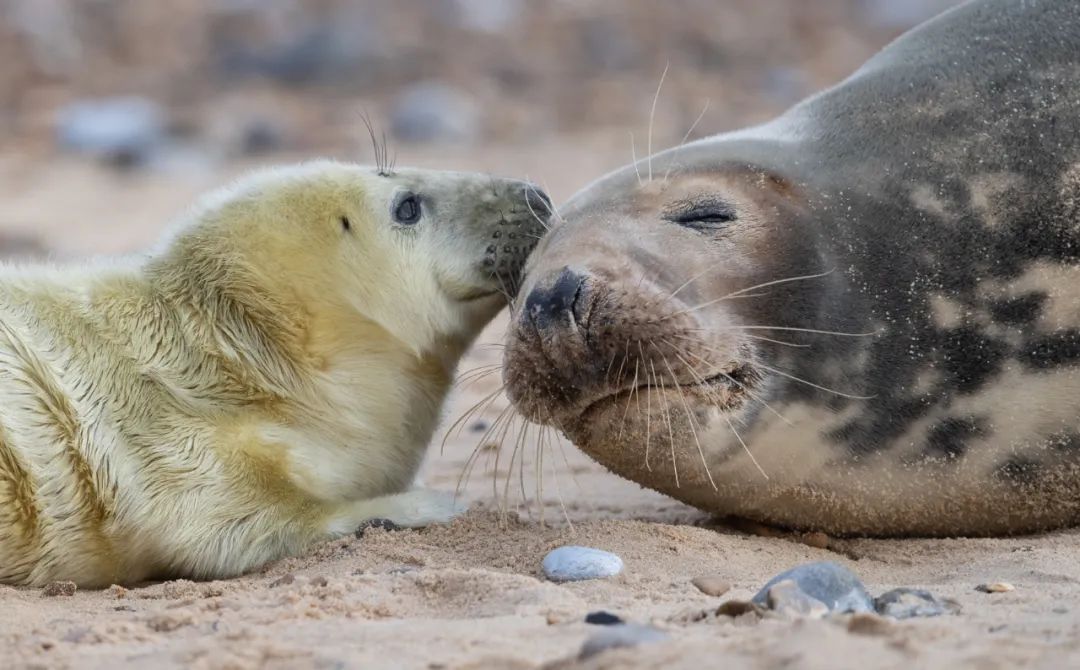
(118,592)
(384,524)
(124,131)
(711,585)
(59,589)
(620,636)
(79,634)
(318,580)
(817,540)
(284,580)
(572,564)
(995,587)
(909,603)
(261,136)
(435,112)
(602,618)
(124,608)
(787,599)
(832,584)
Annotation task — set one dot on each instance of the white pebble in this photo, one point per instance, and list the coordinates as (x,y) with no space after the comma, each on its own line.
(572,564)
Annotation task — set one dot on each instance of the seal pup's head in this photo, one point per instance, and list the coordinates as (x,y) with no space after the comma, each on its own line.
(638,328)
(337,249)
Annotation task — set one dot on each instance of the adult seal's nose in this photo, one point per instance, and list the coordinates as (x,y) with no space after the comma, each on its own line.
(557,303)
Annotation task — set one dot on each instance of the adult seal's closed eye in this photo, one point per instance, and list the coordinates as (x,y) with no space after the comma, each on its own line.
(267,379)
(862,317)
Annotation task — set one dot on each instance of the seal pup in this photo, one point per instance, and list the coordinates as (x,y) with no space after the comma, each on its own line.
(266,379)
(862,317)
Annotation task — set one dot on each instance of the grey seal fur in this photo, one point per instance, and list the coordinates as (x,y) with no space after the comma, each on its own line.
(862,317)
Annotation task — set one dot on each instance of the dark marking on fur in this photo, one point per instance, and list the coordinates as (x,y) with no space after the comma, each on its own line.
(1018,311)
(1019,470)
(971,357)
(950,437)
(1051,351)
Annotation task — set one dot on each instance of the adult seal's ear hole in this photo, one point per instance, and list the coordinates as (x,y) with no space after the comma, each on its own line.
(926,386)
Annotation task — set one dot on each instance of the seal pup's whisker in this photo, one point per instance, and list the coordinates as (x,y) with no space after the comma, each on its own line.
(554,207)
(471,376)
(690,416)
(687,136)
(532,211)
(481,446)
(480,406)
(652,115)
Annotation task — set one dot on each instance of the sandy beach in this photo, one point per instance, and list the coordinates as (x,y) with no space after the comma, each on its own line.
(472,594)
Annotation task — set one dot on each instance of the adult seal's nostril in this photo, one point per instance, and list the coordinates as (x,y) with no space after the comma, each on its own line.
(557,303)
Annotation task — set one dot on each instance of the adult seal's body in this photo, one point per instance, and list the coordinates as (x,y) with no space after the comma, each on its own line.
(267,379)
(862,317)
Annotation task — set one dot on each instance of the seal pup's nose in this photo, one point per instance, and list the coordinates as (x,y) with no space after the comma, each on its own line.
(557,303)
(535,199)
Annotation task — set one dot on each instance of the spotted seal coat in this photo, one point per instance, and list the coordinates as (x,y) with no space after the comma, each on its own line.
(862,317)
(266,379)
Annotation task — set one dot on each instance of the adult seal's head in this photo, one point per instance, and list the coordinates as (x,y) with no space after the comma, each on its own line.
(860,317)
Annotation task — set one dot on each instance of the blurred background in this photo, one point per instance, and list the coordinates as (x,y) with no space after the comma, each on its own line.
(114,114)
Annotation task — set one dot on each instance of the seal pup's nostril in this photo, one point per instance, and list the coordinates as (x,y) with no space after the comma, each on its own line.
(556,303)
(536,201)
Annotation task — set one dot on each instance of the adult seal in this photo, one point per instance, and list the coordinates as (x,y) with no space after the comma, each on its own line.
(267,378)
(862,317)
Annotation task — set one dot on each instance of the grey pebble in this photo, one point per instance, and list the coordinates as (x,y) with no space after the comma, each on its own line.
(435,112)
(838,588)
(123,130)
(909,603)
(620,636)
(572,564)
(787,599)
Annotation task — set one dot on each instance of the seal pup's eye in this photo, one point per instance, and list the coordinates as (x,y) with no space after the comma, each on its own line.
(345,225)
(703,214)
(407,209)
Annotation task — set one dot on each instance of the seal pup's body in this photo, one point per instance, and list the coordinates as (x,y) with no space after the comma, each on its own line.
(923,217)
(266,379)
